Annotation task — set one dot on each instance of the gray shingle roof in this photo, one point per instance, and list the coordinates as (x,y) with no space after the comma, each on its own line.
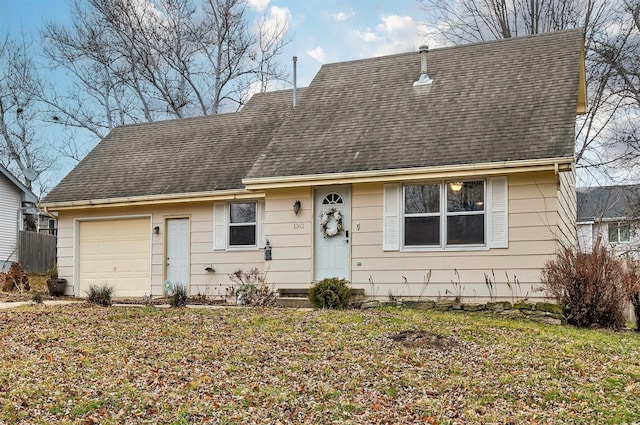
(505,100)
(179,156)
(608,202)
(498,101)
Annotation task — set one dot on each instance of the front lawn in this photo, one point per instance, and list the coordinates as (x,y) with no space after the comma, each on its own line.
(83,364)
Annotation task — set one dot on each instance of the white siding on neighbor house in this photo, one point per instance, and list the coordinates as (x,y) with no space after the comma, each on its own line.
(10,203)
(585,236)
(567,209)
(600,229)
(202,253)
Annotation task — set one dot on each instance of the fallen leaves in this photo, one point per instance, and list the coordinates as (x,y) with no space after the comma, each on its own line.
(82,365)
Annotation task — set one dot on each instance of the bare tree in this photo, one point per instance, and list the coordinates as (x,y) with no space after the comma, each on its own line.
(463,21)
(21,151)
(619,49)
(137,60)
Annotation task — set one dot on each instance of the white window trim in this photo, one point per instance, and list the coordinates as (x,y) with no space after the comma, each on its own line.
(617,224)
(224,222)
(443,214)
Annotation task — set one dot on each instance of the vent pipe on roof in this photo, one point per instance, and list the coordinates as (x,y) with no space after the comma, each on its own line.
(295,80)
(423,79)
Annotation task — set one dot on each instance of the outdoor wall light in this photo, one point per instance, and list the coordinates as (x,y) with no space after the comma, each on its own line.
(456,186)
(296,207)
(210,269)
(156,230)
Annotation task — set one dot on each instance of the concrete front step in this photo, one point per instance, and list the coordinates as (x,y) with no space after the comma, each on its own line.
(293,302)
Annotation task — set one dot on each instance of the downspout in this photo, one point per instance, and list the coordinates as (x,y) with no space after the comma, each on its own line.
(19,222)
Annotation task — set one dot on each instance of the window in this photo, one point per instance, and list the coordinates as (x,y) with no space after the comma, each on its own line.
(455,210)
(619,232)
(242,224)
(422,215)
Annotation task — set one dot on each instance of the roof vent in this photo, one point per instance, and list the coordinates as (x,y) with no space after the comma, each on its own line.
(423,79)
(295,81)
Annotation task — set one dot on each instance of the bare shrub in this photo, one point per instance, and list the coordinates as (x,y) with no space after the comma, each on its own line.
(251,288)
(593,287)
(100,294)
(633,285)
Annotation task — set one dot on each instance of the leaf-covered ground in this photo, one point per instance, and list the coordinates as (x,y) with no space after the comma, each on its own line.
(82,364)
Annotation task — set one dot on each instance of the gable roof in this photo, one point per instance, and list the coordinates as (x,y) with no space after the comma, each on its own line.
(506,100)
(28,195)
(608,202)
(494,102)
(190,155)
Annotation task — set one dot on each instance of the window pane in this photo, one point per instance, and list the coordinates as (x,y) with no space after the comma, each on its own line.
(242,235)
(625,233)
(465,196)
(613,232)
(421,199)
(243,213)
(465,229)
(422,231)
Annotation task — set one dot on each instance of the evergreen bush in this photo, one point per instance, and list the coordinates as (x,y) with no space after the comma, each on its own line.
(330,293)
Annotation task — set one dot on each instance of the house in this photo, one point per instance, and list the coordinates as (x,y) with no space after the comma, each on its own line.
(17,202)
(609,214)
(409,175)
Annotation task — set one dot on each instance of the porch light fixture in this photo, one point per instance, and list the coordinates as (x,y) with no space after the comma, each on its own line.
(456,186)
(296,207)
(156,230)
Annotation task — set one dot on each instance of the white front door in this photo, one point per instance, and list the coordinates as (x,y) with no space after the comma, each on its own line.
(178,250)
(332,223)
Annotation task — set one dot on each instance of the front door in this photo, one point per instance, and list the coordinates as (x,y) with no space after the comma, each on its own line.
(178,250)
(332,223)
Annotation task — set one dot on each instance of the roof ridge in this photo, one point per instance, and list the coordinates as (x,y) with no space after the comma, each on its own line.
(457,46)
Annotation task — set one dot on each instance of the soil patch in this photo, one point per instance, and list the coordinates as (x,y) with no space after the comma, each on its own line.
(416,338)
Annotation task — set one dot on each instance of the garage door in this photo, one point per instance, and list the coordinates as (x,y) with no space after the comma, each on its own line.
(116,253)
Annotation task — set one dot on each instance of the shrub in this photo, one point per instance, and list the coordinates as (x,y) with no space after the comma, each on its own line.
(37,298)
(100,295)
(178,297)
(251,288)
(593,287)
(633,284)
(331,293)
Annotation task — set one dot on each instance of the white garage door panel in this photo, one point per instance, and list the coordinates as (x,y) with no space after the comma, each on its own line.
(116,253)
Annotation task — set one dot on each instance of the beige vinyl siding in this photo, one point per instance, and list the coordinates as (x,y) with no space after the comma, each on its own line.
(533,221)
(10,202)
(290,237)
(201,246)
(567,209)
(533,218)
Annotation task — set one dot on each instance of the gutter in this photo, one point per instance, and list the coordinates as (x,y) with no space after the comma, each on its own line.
(173,198)
(556,165)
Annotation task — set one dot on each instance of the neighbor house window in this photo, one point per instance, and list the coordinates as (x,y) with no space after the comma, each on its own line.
(242,224)
(619,232)
(447,213)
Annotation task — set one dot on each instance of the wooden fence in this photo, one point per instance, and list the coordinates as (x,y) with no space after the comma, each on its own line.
(37,251)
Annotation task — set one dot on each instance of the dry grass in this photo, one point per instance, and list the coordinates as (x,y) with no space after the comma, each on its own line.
(82,364)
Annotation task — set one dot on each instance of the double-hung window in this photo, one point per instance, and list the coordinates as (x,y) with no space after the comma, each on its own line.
(444,214)
(238,225)
(242,224)
(619,232)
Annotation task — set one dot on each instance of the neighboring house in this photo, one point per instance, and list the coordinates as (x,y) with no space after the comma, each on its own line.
(17,203)
(371,177)
(609,214)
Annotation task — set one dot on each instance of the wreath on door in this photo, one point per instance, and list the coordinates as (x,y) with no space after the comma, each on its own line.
(326,218)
